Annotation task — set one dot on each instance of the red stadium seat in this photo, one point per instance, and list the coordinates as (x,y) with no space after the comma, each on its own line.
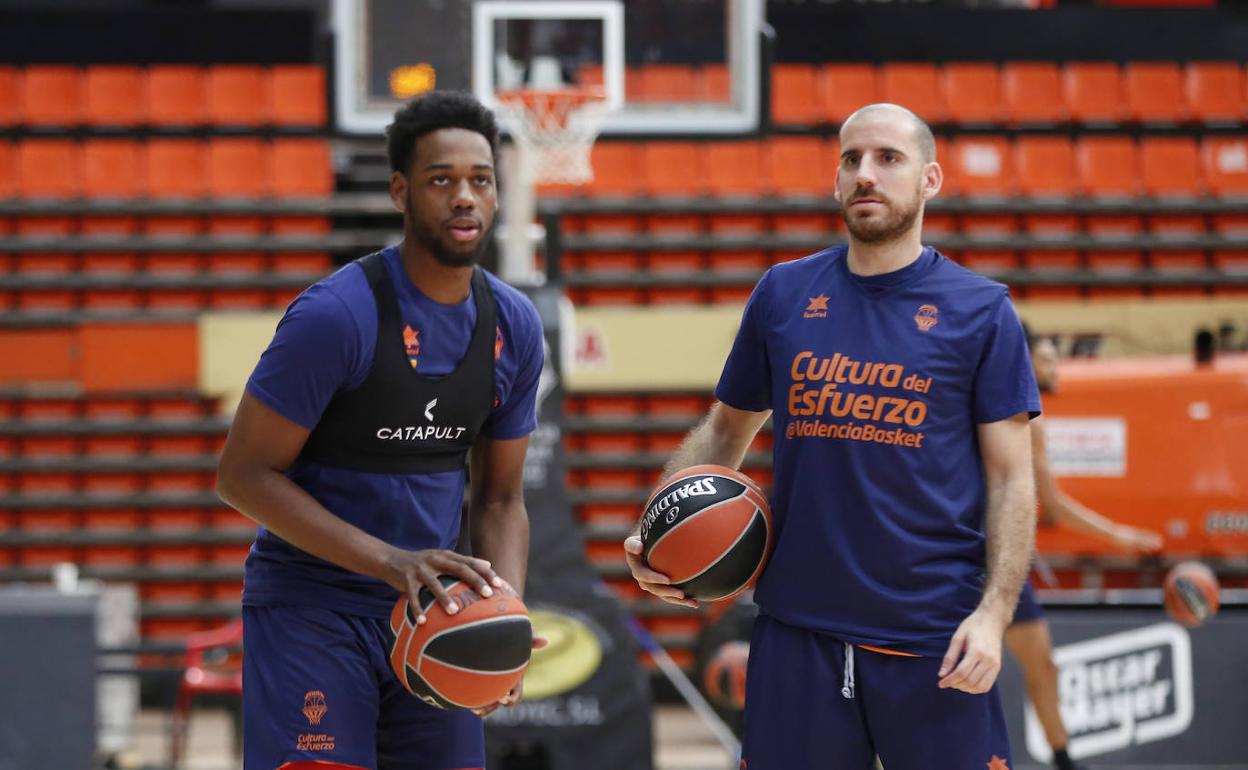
(9,97)
(238,95)
(982,166)
(176,96)
(8,171)
(1107,261)
(1045,165)
(1226,164)
(1032,92)
(972,92)
(1215,91)
(111,169)
(844,88)
(793,90)
(114,96)
(298,95)
(1093,92)
(1107,166)
(237,168)
(301,168)
(176,168)
(48,168)
(1154,92)
(51,96)
(916,86)
(1170,166)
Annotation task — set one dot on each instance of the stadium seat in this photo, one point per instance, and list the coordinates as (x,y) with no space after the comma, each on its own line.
(298,95)
(714,84)
(617,169)
(844,88)
(8,170)
(916,85)
(1032,92)
(48,168)
(672,168)
(1114,261)
(1215,91)
(176,96)
(237,168)
(1045,166)
(1107,166)
(793,88)
(238,95)
(9,97)
(1051,259)
(51,96)
(111,169)
(114,96)
(1179,261)
(990,261)
(982,166)
(1154,92)
(301,168)
(972,92)
(176,168)
(1093,92)
(1225,162)
(666,83)
(795,166)
(1170,166)
(735,170)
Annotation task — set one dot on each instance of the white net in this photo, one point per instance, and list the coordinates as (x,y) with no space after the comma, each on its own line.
(554,131)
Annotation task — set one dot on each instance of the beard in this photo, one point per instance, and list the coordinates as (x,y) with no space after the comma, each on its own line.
(446,254)
(896,222)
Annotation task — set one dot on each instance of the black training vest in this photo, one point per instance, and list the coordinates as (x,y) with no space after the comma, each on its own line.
(398,421)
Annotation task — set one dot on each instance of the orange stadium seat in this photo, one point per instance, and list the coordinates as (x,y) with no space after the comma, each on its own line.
(1170,166)
(617,169)
(667,83)
(176,95)
(844,88)
(1093,92)
(237,168)
(735,169)
(915,85)
(1107,166)
(9,96)
(793,90)
(1114,261)
(51,96)
(8,172)
(982,166)
(114,96)
(298,95)
(795,166)
(972,92)
(175,168)
(1032,92)
(110,168)
(1045,165)
(1215,91)
(713,83)
(1154,92)
(48,168)
(1225,160)
(673,168)
(238,95)
(301,168)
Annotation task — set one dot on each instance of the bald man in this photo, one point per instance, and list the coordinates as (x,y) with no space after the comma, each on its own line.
(900,392)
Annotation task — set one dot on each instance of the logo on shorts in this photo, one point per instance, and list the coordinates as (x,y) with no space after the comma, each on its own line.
(996,763)
(818,307)
(314,706)
(925,319)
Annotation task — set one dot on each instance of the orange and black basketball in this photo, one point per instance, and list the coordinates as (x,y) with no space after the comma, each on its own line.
(724,676)
(708,528)
(466,660)
(1191,593)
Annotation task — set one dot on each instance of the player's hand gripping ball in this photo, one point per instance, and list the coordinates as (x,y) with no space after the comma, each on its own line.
(467,660)
(708,528)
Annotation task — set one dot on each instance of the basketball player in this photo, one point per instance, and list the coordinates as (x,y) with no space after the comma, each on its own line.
(1028,636)
(900,393)
(350,448)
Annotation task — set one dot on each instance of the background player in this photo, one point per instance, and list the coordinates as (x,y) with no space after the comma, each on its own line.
(900,391)
(1028,636)
(349,448)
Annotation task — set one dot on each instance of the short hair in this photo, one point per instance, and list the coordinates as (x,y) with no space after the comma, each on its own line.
(923,136)
(430,112)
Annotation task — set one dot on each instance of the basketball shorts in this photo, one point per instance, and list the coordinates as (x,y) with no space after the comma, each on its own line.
(1028,608)
(317,686)
(811,704)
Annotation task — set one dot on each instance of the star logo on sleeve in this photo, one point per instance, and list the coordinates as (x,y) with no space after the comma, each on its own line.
(411,342)
(818,307)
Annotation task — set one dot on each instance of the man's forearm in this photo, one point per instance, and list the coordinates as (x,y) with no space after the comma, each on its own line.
(1010,526)
(500,535)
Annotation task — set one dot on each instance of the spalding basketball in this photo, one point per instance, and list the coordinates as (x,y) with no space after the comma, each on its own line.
(467,660)
(1191,593)
(724,676)
(708,528)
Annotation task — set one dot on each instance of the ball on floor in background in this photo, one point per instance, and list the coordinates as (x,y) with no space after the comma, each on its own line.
(708,528)
(1191,591)
(723,679)
(467,660)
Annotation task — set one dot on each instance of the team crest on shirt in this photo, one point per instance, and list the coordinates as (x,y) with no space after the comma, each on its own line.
(818,307)
(314,706)
(926,317)
(411,342)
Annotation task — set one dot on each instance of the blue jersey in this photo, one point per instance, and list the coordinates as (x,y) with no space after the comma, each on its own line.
(324,345)
(876,386)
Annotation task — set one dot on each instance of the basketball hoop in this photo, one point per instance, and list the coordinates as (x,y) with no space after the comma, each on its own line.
(554,130)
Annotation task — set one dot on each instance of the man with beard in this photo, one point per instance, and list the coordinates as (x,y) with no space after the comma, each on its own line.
(900,394)
(382,384)
(1028,637)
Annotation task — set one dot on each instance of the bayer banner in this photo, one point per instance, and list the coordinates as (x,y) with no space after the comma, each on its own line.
(1137,689)
(586,701)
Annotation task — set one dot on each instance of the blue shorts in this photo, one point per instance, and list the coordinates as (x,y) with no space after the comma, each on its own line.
(317,686)
(796,715)
(1028,608)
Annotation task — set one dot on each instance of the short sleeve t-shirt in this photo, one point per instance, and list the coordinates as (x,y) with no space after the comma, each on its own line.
(324,345)
(876,386)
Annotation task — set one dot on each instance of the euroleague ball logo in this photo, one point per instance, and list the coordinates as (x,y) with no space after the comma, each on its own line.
(314,706)
(926,317)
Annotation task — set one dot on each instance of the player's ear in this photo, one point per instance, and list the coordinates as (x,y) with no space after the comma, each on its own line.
(398,191)
(836,186)
(933,179)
